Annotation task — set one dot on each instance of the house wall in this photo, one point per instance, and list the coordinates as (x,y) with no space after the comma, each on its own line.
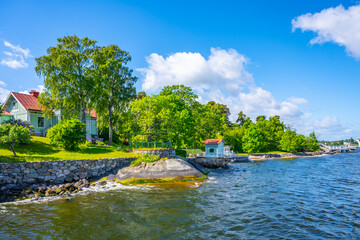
(19,112)
(218,150)
(34,122)
(94,130)
(4,118)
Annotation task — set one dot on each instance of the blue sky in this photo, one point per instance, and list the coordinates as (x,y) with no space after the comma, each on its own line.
(248,53)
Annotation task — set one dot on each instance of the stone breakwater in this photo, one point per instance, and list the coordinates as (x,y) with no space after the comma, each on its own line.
(161,152)
(19,175)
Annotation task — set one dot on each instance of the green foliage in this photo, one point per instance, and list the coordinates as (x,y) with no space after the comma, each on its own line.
(233,137)
(180,153)
(68,79)
(289,141)
(145,158)
(68,134)
(253,140)
(114,84)
(312,143)
(12,135)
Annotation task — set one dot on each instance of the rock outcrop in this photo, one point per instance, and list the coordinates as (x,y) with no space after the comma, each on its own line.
(168,170)
(212,162)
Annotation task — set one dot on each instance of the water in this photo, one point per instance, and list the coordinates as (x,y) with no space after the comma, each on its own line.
(308,198)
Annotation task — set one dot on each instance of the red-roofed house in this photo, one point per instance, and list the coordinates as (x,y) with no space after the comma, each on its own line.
(217,148)
(25,107)
(214,147)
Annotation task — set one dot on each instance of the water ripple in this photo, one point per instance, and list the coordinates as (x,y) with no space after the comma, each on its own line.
(310,198)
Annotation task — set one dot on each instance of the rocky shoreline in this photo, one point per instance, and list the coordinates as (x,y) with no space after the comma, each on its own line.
(259,157)
(41,190)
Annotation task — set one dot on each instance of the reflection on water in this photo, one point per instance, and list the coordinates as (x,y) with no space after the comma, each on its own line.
(310,198)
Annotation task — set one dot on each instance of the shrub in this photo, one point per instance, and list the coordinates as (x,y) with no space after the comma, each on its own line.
(180,153)
(21,123)
(101,143)
(14,134)
(145,158)
(68,134)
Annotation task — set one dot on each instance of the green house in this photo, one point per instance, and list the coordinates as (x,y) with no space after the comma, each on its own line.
(214,148)
(25,107)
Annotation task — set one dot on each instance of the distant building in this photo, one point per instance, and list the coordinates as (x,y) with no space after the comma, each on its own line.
(26,108)
(217,148)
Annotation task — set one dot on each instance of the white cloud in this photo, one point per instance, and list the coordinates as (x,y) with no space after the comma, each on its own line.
(338,25)
(4,93)
(25,92)
(16,57)
(2,84)
(221,78)
(331,126)
(224,69)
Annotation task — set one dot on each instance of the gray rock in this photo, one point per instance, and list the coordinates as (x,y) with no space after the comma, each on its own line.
(169,168)
(212,162)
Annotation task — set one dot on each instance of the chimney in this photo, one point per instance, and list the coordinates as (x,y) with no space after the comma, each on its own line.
(34,93)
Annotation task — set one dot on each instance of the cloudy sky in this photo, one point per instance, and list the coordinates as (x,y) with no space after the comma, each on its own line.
(297,59)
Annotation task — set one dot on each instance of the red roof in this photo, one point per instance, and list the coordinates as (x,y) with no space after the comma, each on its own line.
(93,114)
(6,113)
(213,141)
(27,101)
(30,102)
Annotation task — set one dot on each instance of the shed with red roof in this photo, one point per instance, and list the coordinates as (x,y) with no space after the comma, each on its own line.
(214,147)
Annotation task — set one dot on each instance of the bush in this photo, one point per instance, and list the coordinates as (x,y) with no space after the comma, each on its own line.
(180,153)
(68,134)
(101,143)
(145,158)
(14,134)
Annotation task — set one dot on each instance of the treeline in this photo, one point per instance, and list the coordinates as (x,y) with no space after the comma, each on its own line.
(80,75)
(175,115)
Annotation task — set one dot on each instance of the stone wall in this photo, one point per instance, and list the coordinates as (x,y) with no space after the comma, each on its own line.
(162,152)
(21,174)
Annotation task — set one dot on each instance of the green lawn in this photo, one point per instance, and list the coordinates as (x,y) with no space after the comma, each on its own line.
(40,150)
(193,151)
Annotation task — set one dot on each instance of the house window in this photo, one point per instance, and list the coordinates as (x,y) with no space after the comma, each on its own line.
(40,122)
(15,106)
(211,150)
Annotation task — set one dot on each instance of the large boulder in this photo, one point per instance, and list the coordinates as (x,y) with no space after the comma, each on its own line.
(160,171)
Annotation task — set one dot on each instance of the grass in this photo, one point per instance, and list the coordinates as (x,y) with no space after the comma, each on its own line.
(192,151)
(40,150)
(145,158)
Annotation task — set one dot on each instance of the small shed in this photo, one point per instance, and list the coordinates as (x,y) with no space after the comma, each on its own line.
(214,147)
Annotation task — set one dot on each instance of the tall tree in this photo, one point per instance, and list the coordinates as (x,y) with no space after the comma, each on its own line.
(67,77)
(114,83)
(241,118)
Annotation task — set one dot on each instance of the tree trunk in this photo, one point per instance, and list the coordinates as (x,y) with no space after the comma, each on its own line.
(13,149)
(110,126)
